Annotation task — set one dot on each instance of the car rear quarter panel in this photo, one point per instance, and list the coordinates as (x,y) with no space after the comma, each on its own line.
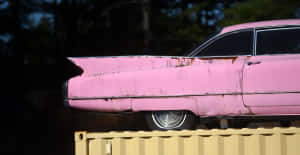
(209,86)
(208,77)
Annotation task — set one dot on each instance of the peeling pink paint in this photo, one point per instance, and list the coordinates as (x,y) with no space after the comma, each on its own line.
(164,81)
(207,87)
(97,66)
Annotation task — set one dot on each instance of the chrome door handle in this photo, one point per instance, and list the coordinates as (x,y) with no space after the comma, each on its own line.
(253,63)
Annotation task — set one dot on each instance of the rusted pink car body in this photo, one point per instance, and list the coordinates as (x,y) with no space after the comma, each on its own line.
(250,84)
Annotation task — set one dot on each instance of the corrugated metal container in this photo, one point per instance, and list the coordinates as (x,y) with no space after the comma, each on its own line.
(275,141)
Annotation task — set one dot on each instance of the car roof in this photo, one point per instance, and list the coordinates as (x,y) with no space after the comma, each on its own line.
(270,23)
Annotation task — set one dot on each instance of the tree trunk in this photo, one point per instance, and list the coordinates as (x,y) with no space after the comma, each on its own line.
(146,22)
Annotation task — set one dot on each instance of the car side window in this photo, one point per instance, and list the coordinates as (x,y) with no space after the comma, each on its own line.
(237,43)
(278,41)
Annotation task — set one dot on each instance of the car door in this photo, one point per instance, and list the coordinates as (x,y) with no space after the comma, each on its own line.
(271,79)
(226,55)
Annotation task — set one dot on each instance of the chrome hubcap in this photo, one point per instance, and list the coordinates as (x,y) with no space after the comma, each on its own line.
(168,119)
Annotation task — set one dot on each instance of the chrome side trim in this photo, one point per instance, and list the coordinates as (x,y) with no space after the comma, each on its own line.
(275,29)
(186,95)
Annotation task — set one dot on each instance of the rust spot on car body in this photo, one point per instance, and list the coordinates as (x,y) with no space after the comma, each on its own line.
(233,60)
(181,62)
(178,61)
(180,65)
(210,60)
(192,61)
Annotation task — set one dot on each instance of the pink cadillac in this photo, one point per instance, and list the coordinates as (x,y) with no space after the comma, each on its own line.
(250,69)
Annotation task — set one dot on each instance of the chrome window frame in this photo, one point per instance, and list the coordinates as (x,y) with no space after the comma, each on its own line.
(198,49)
(254,41)
(255,30)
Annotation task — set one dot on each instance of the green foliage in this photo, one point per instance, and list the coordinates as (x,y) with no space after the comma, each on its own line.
(187,29)
(258,10)
(177,32)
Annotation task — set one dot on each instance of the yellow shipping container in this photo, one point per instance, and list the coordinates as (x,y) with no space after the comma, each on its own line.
(261,141)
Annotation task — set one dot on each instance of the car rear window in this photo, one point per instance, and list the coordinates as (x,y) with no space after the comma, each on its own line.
(237,43)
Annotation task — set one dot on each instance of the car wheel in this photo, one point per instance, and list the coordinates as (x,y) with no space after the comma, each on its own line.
(170,120)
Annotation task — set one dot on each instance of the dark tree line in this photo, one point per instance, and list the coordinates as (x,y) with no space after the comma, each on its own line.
(101,28)
(126,27)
